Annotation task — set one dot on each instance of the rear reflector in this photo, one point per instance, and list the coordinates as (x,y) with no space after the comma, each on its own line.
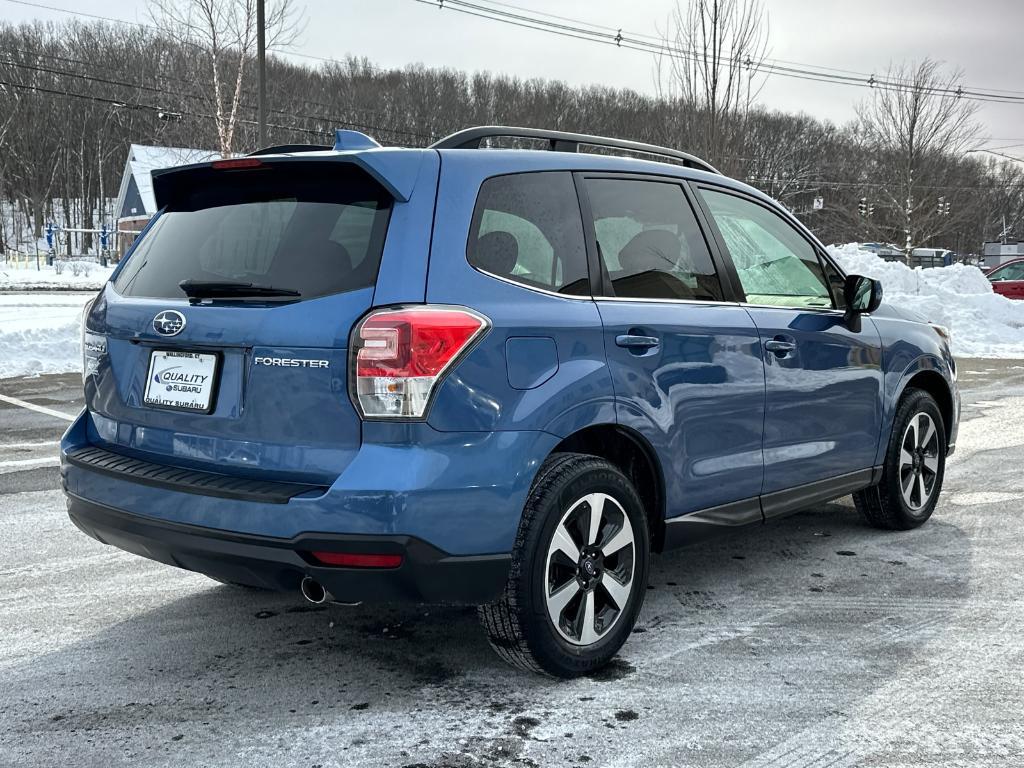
(357,560)
(400,355)
(241,162)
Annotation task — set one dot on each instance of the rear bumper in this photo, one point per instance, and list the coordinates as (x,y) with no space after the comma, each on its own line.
(427,574)
(460,492)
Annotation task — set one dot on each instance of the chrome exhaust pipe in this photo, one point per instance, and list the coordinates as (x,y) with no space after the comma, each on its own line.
(313,591)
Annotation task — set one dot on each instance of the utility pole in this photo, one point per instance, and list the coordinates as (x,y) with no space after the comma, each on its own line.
(261,65)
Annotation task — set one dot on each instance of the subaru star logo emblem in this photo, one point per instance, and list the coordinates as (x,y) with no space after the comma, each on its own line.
(170,322)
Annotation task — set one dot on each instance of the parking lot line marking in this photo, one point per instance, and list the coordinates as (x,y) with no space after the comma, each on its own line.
(21,446)
(36,408)
(42,462)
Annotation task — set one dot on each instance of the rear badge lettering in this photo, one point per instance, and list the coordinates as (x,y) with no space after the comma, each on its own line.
(292,362)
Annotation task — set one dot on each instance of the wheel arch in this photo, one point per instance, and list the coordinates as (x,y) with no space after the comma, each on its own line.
(628,450)
(935,384)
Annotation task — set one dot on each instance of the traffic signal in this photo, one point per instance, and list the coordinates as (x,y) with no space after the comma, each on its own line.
(863,207)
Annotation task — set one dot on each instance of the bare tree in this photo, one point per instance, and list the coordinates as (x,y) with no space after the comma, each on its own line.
(915,121)
(714,51)
(224,33)
(74,96)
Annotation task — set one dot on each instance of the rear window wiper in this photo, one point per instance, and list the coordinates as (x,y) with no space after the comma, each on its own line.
(213,289)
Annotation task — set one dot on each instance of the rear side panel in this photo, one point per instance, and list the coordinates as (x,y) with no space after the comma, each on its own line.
(542,364)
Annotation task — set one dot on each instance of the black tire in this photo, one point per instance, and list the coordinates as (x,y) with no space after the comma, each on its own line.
(518,624)
(885,505)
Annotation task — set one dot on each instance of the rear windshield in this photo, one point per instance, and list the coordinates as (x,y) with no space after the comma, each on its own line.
(315,228)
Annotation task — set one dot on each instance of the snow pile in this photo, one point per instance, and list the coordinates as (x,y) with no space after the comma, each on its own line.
(960,297)
(40,333)
(90,277)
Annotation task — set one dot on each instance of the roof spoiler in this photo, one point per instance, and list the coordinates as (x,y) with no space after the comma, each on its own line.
(395,169)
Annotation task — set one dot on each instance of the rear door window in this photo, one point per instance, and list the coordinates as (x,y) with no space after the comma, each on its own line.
(650,244)
(527,228)
(316,228)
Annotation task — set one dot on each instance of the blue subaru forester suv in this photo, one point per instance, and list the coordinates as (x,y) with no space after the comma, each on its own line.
(498,378)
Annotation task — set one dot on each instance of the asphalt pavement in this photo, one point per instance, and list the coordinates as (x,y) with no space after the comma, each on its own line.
(812,642)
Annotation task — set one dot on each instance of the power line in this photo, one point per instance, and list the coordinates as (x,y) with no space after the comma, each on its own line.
(137,106)
(113,20)
(120,103)
(45,7)
(338,121)
(95,79)
(808,185)
(603,35)
(999,154)
(577,29)
(171,78)
(661,42)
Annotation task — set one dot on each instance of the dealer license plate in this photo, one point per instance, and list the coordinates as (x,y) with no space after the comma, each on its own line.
(181,380)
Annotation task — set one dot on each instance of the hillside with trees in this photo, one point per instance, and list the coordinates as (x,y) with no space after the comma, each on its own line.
(74,95)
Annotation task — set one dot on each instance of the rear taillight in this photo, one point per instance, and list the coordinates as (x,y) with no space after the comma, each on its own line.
(398,356)
(94,345)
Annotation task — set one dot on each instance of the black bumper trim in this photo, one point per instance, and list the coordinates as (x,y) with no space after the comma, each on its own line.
(173,478)
(427,574)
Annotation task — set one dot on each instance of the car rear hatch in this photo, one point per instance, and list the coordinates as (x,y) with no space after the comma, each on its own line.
(222,340)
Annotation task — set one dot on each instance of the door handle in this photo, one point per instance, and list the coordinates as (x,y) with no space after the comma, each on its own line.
(780,347)
(636,342)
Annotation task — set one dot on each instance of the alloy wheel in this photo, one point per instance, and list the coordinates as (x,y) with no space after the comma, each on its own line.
(589,569)
(919,461)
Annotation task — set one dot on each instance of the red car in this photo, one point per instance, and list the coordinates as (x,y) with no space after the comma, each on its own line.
(1008,279)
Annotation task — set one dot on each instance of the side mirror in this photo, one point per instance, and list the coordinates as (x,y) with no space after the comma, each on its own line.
(862,295)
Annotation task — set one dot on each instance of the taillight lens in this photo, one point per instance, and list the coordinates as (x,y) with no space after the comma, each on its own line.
(399,356)
(94,346)
(240,162)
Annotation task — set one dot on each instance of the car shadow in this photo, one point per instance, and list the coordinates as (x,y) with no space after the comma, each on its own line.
(219,654)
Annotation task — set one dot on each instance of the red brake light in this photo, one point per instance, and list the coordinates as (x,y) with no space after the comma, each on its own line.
(399,355)
(357,560)
(241,162)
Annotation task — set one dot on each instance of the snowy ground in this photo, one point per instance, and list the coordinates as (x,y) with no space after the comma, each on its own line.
(814,641)
(40,333)
(91,277)
(960,297)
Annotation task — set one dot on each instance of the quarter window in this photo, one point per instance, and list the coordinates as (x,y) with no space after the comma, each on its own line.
(775,263)
(650,244)
(527,228)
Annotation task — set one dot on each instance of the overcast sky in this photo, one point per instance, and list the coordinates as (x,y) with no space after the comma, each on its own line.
(983,37)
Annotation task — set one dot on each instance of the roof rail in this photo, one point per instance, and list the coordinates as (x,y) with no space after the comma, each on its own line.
(281,149)
(560,141)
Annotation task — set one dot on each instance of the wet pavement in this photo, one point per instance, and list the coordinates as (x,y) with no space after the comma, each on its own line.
(814,641)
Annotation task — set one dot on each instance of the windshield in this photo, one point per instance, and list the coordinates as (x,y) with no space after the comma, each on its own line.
(314,229)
